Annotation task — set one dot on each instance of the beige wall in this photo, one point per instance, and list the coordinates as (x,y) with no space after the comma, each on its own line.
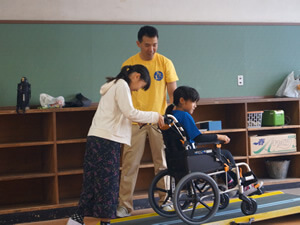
(273,11)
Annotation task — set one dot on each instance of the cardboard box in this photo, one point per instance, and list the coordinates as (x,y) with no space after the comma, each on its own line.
(210,125)
(273,144)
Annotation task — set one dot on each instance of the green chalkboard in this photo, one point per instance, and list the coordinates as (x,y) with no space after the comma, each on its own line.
(66,59)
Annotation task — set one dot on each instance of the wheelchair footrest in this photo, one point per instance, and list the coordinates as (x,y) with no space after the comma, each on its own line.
(248,178)
(259,191)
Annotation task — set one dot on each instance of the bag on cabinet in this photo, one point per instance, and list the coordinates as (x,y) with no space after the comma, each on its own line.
(290,87)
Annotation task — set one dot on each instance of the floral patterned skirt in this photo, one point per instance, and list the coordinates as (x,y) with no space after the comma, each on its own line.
(100,189)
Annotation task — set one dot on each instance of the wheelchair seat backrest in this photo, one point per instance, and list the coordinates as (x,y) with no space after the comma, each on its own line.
(175,145)
(174,135)
(180,154)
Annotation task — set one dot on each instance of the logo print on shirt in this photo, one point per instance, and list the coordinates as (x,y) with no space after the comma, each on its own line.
(158,75)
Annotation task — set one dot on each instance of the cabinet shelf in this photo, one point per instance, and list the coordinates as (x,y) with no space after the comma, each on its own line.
(16,128)
(140,194)
(22,192)
(70,141)
(26,207)
(274,128)
(269,181)
(70,172)
(68,202)
(69,187)
(273,155)
(21,176)
(42,151)
(23,144)
(235,110)
(240,158)
(41,157)
(224,131)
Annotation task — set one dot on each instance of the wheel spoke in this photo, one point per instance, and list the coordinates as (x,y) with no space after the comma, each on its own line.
(203,188)
(203,197)
(160,189)
(185,198)
(204,204)
(193,211)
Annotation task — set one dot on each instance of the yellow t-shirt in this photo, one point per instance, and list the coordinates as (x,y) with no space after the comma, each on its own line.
(161,71)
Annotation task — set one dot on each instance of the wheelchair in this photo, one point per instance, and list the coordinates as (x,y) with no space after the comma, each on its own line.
(191,187)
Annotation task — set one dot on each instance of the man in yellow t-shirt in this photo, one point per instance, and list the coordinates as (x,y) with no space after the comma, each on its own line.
(163,79)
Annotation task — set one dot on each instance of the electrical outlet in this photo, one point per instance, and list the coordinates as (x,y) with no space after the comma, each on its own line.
(240,80)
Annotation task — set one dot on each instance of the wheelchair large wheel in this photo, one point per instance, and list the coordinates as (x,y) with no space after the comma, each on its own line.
(203,194)
(161,198)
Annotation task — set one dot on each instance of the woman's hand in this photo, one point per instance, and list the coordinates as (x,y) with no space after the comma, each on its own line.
(224,138)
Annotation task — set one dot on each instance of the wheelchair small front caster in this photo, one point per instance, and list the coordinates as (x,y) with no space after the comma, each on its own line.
(249,208)
(224,201)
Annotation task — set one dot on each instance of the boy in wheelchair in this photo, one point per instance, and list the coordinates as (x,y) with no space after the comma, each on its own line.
(192,185)
(184,104)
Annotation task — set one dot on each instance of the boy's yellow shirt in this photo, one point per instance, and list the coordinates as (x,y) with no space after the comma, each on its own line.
(162,71)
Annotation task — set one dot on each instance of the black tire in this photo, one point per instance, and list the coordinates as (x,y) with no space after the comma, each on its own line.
(155,191)
(198,189)
(249,209)
(224,201)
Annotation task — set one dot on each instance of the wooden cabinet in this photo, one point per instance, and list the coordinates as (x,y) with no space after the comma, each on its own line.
(42,151)
(233,114)
(41,157)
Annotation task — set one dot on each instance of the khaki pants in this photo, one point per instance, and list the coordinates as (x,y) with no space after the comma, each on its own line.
(132,157)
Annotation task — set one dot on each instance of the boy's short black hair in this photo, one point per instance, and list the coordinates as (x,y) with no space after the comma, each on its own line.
(148,31)
(185,92)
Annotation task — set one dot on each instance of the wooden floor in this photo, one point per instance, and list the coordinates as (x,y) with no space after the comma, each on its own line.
(287,220)
(87,220)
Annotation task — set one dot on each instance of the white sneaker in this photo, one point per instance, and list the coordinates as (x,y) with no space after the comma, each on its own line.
(168,208)
(252,188)
(73,222)
(122,212)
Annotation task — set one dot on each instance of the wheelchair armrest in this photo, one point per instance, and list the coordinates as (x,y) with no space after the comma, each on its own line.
(209,143)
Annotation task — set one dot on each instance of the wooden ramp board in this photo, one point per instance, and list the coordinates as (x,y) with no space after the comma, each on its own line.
(270,205)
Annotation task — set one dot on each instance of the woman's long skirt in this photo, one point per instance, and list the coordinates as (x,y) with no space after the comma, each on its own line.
(100,189)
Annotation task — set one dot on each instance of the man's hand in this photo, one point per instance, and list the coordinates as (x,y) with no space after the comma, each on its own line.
(161,121)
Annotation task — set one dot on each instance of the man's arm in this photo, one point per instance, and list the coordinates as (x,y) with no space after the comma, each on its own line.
(171,88)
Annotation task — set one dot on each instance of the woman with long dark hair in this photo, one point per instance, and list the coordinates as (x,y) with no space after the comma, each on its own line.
(111,127)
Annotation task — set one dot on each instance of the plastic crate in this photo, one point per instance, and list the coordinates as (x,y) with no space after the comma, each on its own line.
(254,118)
